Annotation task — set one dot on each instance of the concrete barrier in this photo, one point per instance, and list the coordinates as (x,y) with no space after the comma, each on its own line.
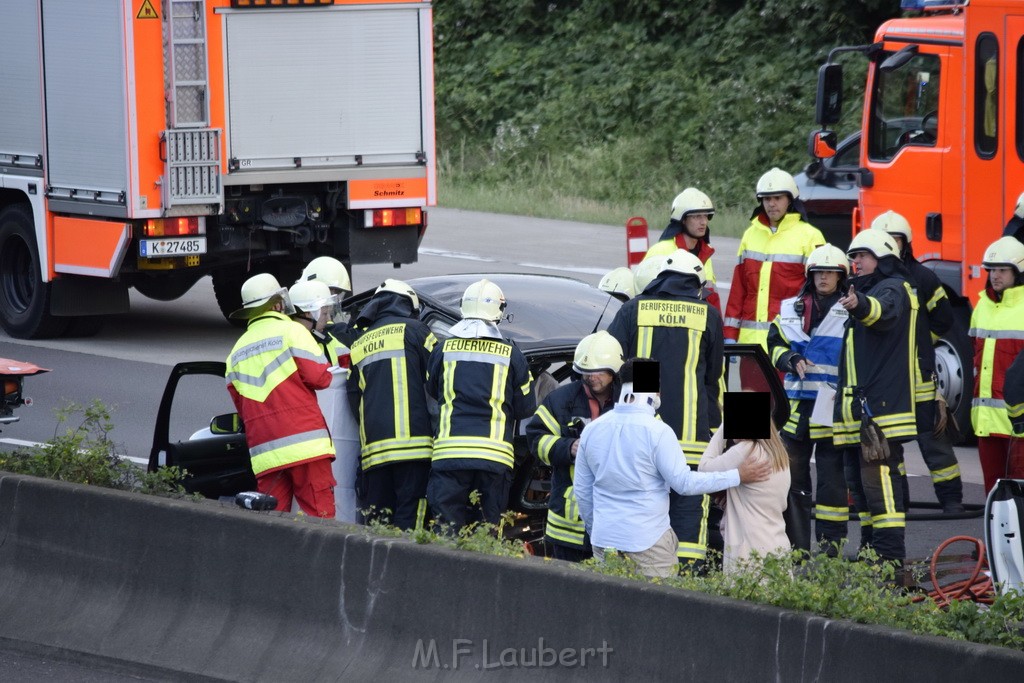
(204,590)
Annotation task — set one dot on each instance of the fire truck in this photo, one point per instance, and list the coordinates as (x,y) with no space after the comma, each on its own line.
(942,143)
(149,143)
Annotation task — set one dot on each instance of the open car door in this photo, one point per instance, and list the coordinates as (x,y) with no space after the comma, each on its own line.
(213,453)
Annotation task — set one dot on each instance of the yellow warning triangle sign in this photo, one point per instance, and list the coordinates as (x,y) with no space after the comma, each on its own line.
(147,11)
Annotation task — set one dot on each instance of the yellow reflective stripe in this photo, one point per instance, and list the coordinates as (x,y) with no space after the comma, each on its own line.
(874,311)
(291,453)
(362,404)
(421,513)
(689,427)
(444,428)
(828,513)
(544,446)
(697,551)
(985,370)
(472,454)
(644,342)
(572,511)
(430,342)
(548,420)
(938,296)
(389,338)
(388,457)
(400,392)
(946,473)
(396,443)
(894,520)
(256,387)
(561,529)
(865,518)
(693,450)
(1015,410)
(884,473)
(525,386)
(497,398)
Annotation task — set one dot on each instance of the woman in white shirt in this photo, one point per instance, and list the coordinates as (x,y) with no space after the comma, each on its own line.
(753,520)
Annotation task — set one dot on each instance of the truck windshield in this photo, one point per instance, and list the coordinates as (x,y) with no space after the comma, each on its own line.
(904,107)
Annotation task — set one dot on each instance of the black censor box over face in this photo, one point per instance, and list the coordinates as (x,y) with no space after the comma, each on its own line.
(747,415)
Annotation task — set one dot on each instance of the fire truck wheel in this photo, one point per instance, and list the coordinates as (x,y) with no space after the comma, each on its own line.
(24,297)
(227,288)
(954,366)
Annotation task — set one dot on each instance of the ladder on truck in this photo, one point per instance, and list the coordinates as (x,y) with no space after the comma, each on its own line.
(192,171)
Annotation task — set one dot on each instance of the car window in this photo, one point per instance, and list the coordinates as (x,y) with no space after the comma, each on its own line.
(848,155)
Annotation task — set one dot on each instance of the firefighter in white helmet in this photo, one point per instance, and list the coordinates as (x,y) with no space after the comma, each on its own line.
(483,385)
(333,331)
(772,255)
(689,228)
(874,407)
(934,319)
(997,326)
(554,436)
(619,283)
(386,392)
(804,342)
(273,372)
(671,322)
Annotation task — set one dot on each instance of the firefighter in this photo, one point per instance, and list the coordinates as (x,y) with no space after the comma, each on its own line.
(482,383)
(387,394)
(273,372)
(997,326)
(645,272)
(689,228)
(619,283)
(934,318)
(874,410)
(804,342)
(1013,390)
(671,323)
(772,255)
(332,332)
(554,437)
(312,301)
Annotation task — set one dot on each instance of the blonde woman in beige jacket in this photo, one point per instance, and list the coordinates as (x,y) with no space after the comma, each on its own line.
(753,520)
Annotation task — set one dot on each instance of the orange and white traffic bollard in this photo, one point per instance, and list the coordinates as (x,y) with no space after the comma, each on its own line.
(636,240)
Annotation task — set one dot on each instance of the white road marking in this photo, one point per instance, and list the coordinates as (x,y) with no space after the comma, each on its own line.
(456,254)
(144,462)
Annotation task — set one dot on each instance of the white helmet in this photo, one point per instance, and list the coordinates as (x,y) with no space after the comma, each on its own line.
(777,181)
(894,224)
(828,258)
(598,351)
(329,271)
(1005,252)
(311,296)
(258,293)
(402,289)
(691,200)
(483,300)
(618,281)
(682,261)
(647,270)
(875,242)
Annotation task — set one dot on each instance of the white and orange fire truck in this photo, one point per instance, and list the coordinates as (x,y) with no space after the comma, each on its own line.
(149,143)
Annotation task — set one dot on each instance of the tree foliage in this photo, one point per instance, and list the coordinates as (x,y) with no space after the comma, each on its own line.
(666,94)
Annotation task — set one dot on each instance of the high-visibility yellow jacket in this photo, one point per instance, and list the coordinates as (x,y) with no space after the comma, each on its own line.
(704,252)
(272,374)
(770,269)
(997,326)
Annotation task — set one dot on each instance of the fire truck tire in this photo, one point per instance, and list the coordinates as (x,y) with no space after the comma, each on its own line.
(227,289)
(24,297)
(954,364)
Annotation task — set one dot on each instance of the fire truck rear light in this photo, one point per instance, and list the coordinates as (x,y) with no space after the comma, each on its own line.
(386,218)
(174,227)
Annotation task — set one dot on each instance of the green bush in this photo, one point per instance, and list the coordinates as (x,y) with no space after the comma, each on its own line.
(626,103)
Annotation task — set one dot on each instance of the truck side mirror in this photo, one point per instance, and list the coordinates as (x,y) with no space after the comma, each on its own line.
(828,107)
(822,144)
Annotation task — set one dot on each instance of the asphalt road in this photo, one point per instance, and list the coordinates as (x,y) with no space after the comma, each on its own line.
(127,363)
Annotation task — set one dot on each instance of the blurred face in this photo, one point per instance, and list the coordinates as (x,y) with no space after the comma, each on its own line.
(826,281)
(865,263)
(1001,278)
(599,382)
(696,224)
(775,206)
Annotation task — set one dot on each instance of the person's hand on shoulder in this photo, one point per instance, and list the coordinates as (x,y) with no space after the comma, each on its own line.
(754,470)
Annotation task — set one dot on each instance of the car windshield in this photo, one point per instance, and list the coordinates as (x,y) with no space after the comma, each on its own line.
(904,107)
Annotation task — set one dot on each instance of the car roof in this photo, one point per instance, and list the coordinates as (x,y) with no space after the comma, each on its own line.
(543,311)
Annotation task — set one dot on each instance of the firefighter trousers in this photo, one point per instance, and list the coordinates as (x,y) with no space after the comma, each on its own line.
(831,504)
(877,490)
(448,492)
(396,493)
(938,455)
(688,516)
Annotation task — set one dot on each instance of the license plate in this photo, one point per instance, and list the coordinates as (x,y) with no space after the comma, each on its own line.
(172,246)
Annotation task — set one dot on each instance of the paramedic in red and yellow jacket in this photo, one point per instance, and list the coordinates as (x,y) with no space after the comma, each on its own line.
(772,256)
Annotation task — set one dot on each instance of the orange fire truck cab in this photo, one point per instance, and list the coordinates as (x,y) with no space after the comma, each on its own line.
(942,142)
(149,143)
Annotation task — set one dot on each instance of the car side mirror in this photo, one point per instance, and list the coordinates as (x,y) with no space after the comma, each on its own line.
(229,423)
